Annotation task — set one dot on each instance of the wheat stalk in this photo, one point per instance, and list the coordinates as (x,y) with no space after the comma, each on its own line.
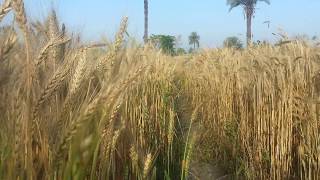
(91,110)
(74,86)
(21,19)
(53,85)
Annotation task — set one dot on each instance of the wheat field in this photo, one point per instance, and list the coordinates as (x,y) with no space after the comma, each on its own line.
(120,110)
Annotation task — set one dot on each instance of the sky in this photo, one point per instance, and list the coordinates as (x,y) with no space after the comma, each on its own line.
(211,19)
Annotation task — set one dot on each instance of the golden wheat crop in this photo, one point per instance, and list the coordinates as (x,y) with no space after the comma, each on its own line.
(77,111)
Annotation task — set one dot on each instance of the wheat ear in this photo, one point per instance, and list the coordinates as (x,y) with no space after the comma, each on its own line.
(51,44)
(21,19)
(5,9)
(7,46)
(110,57)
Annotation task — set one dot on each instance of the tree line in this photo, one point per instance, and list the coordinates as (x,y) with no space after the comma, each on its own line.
(249,7)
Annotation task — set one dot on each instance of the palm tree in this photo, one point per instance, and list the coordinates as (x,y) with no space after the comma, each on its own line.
(249,10)
(145,37)
(194,40)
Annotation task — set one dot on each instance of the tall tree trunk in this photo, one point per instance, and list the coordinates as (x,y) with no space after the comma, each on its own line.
(145,37)
(249,15)
(194,46)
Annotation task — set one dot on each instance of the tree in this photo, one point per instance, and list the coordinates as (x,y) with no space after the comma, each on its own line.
(314,38)
(233,42)
(194,39)
(249,7)
(146,17)
(164,42)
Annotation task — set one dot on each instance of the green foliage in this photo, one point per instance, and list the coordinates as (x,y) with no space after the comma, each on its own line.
(181,51)
(164,42)
(233,42)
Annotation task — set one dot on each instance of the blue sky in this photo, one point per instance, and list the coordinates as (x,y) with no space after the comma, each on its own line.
(210,18)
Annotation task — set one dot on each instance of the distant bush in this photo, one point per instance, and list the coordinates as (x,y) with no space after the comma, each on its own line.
(233,42)
(181,51)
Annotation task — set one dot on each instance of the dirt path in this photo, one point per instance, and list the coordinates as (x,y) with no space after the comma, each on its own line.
(205,171)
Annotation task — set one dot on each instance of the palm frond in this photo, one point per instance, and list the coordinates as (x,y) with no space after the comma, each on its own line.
(236,3)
